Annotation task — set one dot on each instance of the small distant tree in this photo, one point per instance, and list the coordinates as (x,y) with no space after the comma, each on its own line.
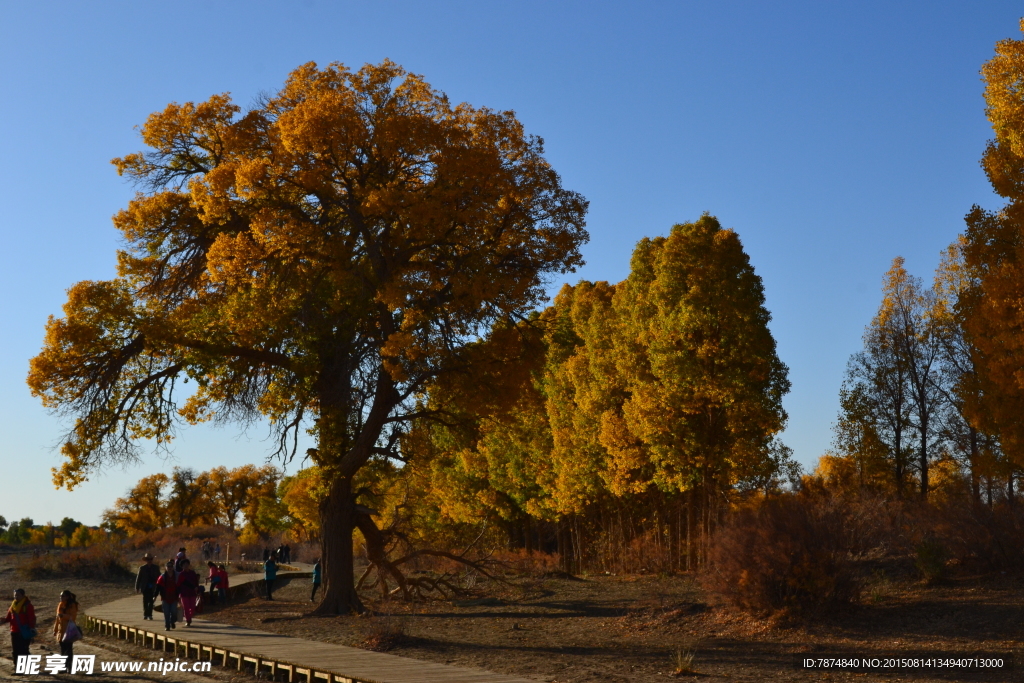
(189,502)
(236,490)
(43,535)
(143,509)
(68,527)
(81,538)
(19,532)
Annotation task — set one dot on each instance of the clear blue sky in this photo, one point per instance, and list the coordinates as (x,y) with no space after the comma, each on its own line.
(832,136)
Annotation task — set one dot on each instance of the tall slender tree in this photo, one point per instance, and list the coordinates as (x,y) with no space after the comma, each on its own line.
(968,428)
(994,251)
(907,328)
(698,359)
(876,377)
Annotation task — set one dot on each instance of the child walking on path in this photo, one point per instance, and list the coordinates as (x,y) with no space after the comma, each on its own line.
(222,587)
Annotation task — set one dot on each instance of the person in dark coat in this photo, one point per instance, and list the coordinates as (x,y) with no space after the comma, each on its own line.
(316,579)
(269,576)
(188,591)
(145,583)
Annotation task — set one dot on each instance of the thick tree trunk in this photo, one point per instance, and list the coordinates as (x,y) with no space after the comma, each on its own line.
(337,522)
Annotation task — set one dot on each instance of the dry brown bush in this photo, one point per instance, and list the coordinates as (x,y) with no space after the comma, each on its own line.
(100,562)
(787,553)
(980,537)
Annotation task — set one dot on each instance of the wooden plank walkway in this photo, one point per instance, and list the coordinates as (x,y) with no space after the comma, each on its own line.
(297,659)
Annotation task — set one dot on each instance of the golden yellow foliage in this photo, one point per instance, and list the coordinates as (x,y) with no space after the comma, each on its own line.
(994,253)
(318,261)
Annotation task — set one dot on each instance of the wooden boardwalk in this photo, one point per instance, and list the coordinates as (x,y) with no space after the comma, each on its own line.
(295,659)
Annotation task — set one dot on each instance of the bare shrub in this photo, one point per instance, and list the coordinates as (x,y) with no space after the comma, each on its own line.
(981,537)
(385,632)
(101,562)
(535,563)
(787,553)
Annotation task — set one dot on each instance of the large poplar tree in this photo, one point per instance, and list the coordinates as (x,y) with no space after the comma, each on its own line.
(699,364)
(317,260)
(993,312)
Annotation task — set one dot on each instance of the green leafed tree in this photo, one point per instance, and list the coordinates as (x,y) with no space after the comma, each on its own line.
(699,363)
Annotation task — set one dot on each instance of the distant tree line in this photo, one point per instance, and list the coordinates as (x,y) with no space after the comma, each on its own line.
(69,533)
(250,500)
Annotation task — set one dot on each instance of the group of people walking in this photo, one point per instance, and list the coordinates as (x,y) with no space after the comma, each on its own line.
(21,617)
(282,554)
(178,584)
(210,551)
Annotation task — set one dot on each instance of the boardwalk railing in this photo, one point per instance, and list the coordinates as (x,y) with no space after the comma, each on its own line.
(296,660)
(217,655)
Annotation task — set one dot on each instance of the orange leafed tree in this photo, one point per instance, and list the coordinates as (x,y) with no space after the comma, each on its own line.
(144,508)
(318,260)
(994,312)
(239,490)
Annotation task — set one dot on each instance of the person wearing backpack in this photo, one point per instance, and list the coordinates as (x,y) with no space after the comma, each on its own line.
(21,615)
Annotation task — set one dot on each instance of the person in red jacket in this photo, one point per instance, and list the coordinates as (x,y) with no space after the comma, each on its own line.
(188,590)
(222,587)
(22,618)
(167,587)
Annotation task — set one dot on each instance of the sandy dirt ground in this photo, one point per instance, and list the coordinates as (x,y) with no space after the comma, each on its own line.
(641,628)
(609,629)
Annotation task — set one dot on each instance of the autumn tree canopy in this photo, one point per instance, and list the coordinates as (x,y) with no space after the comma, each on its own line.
(994,253)
(657,399)
(317,260)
